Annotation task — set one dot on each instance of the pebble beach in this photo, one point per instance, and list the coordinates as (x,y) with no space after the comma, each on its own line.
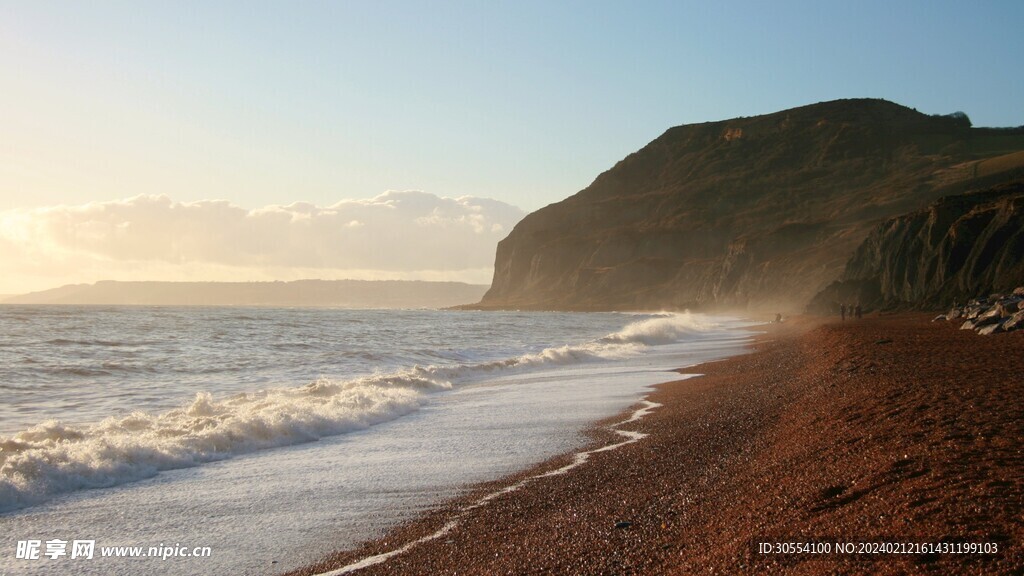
(895,435)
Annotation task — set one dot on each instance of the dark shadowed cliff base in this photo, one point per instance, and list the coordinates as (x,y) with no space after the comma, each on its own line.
(888,429)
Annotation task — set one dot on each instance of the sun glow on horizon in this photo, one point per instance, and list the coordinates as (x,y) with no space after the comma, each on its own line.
(393,236)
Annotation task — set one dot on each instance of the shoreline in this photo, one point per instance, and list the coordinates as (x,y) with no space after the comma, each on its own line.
(865,431)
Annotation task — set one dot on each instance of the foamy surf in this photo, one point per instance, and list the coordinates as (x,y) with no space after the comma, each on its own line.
(54,458)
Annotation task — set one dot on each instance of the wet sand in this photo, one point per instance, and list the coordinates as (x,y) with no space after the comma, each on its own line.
(888,429)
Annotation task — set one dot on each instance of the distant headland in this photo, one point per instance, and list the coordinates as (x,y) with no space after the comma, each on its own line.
(319,293)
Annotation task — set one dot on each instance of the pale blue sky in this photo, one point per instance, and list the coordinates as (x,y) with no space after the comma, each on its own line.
(526,102)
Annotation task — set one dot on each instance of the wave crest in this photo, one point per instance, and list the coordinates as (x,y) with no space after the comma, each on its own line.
(661,329)
(52,457)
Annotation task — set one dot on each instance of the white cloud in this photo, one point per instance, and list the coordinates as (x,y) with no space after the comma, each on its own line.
(395,235)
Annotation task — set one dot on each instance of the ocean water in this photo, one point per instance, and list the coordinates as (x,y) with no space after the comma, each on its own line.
(273,436)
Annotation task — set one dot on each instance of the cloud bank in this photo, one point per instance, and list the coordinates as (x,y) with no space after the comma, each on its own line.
(412,235)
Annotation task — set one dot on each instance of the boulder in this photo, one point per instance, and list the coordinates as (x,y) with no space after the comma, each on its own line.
(1015,322)
(990,316)
(1010,305)
(989,330)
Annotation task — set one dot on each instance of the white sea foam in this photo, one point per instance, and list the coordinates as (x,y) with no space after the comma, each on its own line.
(52,457)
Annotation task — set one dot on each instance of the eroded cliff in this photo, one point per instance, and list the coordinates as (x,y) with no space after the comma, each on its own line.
(960,247)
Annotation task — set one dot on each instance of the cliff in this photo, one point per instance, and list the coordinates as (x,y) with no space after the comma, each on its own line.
(958,248)
(749,212)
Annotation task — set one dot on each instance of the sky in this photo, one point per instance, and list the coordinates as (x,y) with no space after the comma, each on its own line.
(460,116)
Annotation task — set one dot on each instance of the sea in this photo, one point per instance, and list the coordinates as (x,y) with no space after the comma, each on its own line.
(226,440)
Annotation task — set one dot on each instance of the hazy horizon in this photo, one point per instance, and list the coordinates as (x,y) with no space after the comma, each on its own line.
(309,293)
(229,282)
(394,236)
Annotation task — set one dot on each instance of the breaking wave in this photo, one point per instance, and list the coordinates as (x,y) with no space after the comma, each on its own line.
(661,329)
(53,458)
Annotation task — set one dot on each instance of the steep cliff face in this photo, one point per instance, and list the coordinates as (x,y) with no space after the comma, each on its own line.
(761,211)
(958,248)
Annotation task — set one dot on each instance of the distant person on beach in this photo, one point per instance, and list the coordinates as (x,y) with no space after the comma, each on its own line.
(778,317)
(842,311)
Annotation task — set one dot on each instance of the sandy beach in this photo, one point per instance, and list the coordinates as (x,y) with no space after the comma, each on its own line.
(891,429)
